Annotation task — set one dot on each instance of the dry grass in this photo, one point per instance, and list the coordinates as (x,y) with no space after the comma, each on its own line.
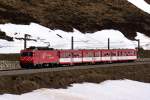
(10,57)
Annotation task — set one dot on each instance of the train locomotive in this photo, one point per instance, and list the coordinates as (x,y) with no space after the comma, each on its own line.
(35,57)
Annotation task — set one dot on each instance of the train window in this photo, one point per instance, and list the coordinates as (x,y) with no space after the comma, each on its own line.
(97,54)
(77,54)
(130,53)
(67,55)
(125,53)
(63,55)
(107,54)
(135,52)
(113,53)
(23,54)
(120,53)
(90,54)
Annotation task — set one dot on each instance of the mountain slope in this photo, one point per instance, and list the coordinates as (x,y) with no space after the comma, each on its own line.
(148,1)
(84,15)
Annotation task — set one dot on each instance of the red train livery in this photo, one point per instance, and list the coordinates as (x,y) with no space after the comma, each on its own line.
(38,57)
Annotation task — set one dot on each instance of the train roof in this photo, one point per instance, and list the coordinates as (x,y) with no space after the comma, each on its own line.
(39,48)
(47,48)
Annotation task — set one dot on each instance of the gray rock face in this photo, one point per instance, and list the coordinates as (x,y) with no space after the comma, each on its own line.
(84,15)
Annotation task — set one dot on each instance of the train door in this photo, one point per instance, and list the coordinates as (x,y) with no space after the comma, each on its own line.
(65,57)
(88,56)
(37,57)
(131,55)
(97,56)
(106,55)
(77,56)
(114,55)
(120,57)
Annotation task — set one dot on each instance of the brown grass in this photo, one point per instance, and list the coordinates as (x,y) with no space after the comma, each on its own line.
(10,57)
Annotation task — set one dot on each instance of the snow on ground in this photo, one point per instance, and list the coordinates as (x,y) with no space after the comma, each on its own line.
(144,40)
(141,4)
(60,39)
(108,90)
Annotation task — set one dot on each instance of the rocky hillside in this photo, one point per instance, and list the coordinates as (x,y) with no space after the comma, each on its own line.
(84,15)
(148,1)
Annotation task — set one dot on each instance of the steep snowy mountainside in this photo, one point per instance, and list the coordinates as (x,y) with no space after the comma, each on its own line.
(59,39)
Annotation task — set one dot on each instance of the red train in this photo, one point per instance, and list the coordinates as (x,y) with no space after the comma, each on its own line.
(39,57)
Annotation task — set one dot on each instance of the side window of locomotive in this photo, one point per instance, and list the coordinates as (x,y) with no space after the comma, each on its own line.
(30,54)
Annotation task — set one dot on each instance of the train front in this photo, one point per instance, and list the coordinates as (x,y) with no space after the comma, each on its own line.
(26,58)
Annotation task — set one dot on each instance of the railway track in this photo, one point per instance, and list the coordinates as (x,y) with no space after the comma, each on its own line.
(20,71)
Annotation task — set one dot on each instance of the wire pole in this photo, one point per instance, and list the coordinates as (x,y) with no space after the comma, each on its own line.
(138,52)
(25,41)
(108,43)
(138,44)
(72,43)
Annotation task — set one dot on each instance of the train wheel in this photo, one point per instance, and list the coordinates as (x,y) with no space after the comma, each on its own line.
(38,66)
(45,65)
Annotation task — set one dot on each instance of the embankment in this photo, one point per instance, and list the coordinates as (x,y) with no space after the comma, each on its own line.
(62,79)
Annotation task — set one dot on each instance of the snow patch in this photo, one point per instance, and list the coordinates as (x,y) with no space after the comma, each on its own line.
(144,40)
(108,90)
(59,39)
(141,4)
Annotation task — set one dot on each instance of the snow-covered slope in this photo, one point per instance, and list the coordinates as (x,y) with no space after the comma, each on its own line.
(108,90)
(141,4)
(144,41)
(59,39)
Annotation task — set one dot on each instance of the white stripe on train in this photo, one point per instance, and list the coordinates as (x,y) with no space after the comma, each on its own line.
(96,59)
